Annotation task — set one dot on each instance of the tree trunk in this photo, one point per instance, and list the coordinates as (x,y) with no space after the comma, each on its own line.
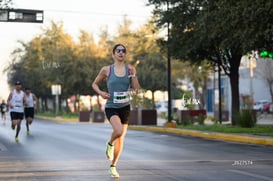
(153,99)
(67,109)
(75,104)
(203,94)
(46,105)
(234,83)
(60,103)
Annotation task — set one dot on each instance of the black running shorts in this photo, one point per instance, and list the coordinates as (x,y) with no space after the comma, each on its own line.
(29,112)
(123,113)
(16,115)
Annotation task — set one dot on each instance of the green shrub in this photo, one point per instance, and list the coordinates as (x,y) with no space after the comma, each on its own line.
(186,122)
(201,119)
(176,119)
(196,119)
(246,119)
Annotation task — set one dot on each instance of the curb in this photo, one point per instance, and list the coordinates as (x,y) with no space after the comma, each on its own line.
(209,135)
(57,119)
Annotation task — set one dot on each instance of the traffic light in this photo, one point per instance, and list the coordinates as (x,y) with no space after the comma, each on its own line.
(266,54)
(21,15)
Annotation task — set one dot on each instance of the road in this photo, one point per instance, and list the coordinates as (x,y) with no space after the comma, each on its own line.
(75,152)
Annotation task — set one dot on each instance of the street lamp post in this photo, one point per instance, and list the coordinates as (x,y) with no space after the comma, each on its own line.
(218,63)
(252,65)
(220,94)
(169,71)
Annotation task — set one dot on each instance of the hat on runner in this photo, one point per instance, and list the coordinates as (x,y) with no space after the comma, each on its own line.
(17,83)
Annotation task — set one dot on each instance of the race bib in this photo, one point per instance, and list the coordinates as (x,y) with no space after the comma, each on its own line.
(121,97)
(18,105)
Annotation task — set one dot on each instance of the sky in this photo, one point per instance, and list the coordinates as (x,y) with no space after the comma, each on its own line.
(88,15)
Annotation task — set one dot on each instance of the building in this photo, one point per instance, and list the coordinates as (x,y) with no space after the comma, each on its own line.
(252,82)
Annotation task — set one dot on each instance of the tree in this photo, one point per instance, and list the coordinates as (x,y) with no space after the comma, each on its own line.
(6,3)
(40,62)
(144,53)
(54,58)
(220,31)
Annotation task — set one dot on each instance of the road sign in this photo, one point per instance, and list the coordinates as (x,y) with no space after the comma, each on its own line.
(56,89)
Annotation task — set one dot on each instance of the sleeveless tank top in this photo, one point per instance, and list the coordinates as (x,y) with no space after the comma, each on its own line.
(29,100)
(17,102)
(118,88)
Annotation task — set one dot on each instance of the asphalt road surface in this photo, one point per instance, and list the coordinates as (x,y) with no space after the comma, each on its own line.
(76,152)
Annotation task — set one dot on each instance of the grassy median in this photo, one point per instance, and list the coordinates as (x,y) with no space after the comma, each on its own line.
(260,130)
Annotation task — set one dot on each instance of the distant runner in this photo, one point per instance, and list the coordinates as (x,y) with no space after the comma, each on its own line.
(4,109)
(29,107)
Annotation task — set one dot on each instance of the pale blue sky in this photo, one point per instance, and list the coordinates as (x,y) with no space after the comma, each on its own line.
(89,15)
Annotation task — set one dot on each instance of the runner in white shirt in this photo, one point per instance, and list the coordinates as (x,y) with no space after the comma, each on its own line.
(16,103)
(29,107)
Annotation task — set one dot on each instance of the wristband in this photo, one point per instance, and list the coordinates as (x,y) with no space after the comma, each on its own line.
(134,75)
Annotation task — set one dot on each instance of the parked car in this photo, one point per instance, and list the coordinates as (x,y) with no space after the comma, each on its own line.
(267,107)
(260,104)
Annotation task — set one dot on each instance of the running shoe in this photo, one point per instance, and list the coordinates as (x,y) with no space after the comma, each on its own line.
(109,151)
(113,172)
(28,132)
(16,139)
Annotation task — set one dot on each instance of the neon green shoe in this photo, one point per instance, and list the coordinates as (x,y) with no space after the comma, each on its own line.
(16,139)
(109,151)
(113,172)
(28,132)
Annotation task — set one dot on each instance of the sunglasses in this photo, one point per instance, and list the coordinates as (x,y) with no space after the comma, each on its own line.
(120,50)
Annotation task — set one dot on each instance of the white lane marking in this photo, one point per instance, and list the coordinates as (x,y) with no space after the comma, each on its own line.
(261,177)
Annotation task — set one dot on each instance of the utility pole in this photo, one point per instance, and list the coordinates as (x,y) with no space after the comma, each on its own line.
(220,93)
(217,60)
(252,65)
(169,70)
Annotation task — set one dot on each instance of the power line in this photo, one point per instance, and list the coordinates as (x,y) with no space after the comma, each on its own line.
(93,13)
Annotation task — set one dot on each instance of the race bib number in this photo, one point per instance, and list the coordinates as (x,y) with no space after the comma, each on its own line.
(18,105)
(121,97)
